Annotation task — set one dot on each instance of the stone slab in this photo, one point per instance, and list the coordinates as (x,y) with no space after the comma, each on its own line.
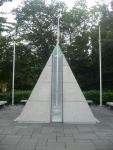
(51,147)
(104,134)
(102,142)
(80,146)
(108,147)
(68,75)
(45,75)
(25,132)
(41,92)
(72,92)
(85,136)
(42,142)
(78,113)
(65,139)
(10,141)
(65,63)
(27,144)
(35,112)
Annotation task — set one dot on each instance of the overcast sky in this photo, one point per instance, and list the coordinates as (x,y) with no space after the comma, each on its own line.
(7,7)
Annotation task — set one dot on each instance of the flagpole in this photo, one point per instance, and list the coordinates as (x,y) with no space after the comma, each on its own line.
(58,34)
(100,62)
(13,71)
(57,59)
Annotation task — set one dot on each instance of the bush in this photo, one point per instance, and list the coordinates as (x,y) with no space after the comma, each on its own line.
(19,95)
(94,95)
(5,96)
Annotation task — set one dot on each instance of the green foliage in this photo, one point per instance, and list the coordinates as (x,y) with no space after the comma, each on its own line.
(5,61)
(19,95)
(3,1)
(94,95)
(112,4)
(90,95)
(36,37)
(5,96)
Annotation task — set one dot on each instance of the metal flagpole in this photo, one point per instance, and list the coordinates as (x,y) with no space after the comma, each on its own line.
(13,71)
(57,61)
(100,63)
(58,31)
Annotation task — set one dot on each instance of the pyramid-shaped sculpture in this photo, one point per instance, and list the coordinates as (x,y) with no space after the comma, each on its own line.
(44,100)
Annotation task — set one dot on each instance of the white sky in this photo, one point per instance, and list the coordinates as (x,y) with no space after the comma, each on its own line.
(7,7)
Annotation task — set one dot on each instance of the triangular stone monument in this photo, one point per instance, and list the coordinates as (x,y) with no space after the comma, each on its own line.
(46,105)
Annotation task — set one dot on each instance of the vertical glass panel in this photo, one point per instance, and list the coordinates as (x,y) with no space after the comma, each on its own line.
(56,108)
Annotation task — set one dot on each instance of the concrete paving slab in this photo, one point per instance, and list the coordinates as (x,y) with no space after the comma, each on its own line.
(2,137)
(80,146)
(10,141)
(108,147)
(58,124)
(10,132)
(42,142)
(47,129)
(65,139)
(27,132)
(56,143)
(6,146)
(85,136)
(83,141)
(51,140)
(85,129)
(37,130)
(68,136)
(95,129)
(71,131)
(27,144)
(14,136)
(104,134)
(51,148)
(35,126)
(102,142)
(43,136)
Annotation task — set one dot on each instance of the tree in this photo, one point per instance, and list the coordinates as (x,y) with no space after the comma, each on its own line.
(76,32)
(36,37)
(106,41)
(36,26)
(3,1)
(5,61)
(112,4)
(107,46)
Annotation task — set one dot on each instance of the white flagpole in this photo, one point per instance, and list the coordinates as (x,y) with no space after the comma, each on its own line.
(57,61)
(58,34)
(100,63)
(13,71)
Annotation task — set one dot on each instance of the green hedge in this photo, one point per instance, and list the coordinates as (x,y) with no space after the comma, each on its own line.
(19,95)
(94,95)
(107,96)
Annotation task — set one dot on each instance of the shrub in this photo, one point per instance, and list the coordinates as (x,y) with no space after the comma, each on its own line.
(94,95)
(19,95)
(5,96)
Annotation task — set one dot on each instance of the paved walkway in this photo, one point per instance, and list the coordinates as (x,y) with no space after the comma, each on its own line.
(55,136)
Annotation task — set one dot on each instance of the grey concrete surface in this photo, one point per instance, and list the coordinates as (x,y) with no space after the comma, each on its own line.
(55,136)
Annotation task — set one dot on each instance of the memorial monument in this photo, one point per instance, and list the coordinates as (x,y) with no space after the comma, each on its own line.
(57,96)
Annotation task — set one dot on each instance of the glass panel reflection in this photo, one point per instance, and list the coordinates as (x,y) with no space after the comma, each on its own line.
(56,109)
